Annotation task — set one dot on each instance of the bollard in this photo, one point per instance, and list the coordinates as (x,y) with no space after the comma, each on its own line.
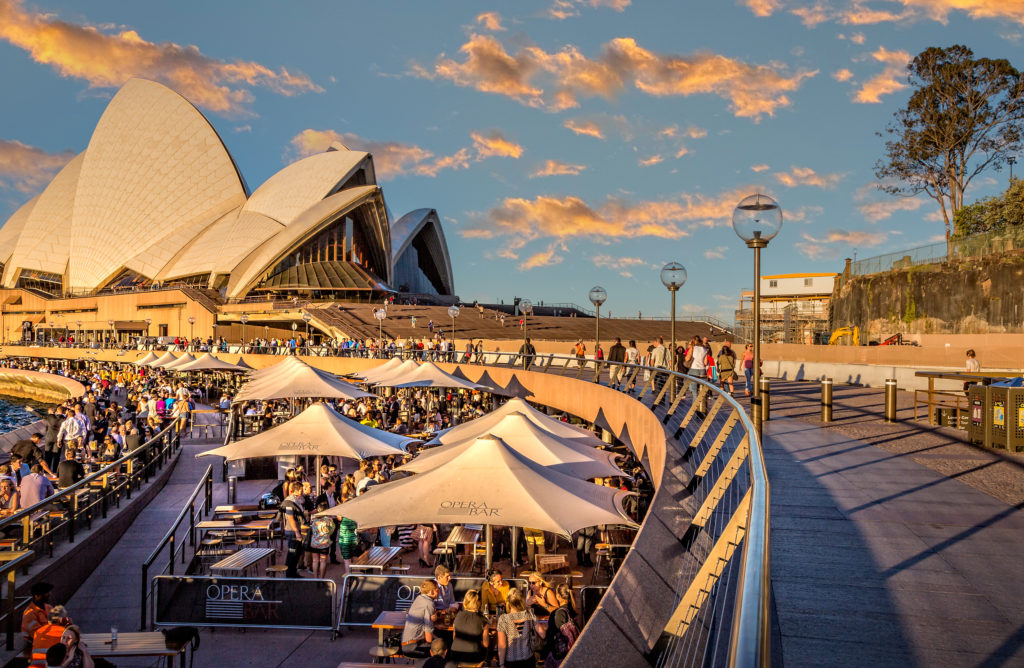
(890,399)
(826,399)
(766,400)
(232,489)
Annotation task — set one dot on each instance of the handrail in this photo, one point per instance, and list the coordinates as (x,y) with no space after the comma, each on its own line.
(204,485)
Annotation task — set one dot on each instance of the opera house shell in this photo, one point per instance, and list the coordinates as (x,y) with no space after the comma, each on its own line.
(157,200)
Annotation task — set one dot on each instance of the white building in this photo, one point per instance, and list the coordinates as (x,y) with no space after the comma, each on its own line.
(794,307)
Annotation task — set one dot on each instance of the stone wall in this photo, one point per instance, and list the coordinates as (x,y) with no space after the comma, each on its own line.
(971,296)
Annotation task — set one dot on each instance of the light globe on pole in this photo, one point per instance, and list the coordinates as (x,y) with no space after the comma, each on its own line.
(380,314)
(757,219)
(673,277)
(244,319)
(453,313)
(597,296)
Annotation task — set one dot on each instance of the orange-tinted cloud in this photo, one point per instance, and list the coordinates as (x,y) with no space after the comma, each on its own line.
(490,21)
(858,38)
(760,168)
(564,9)
(856,237)
(836,241)
(557,81)
(557,168)
(648,162)
(589,128)
(882,209)
(681,151)
(805,176)
(544,258)
(842,75)
(623,265)
(763,7)
(976,9)
(107,59)
(390,158)
(28,169)
(494,144)
(890,80)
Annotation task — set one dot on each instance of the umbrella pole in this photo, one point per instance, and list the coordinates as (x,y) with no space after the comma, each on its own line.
(487,547)
(515,561)
(318,492)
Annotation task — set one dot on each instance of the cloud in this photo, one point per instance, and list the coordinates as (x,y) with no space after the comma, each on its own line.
(556,81)
(832,243)
(552,217)
(760,168)
(648,162)
(976,9)
(490,21)
(557,168)
(882,209)
(716,253)
(28,169)
(494,144)
(564,9)
(694,132)
(763,7)
(544,258)
(842,75)
(856,237)
(860,12)
(681,152)
(623,265)
(816,251)
(805,176)
(107,58)
(589,128)
(390,158)
(888,81)
(617,5)
(858,38)
(242,128)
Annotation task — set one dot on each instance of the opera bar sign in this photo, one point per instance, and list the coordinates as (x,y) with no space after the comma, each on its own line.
(298,447)
(254,602)
(468,509)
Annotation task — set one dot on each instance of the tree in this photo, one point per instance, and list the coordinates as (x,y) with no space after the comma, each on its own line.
(991,213)
(965,116)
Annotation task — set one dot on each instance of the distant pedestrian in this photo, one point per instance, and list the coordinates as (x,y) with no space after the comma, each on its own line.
(727,366)
(616,355)
(748,367)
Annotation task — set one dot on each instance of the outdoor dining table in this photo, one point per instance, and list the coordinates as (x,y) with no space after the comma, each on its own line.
(146,644)
(228,525)
(241,560)
(241,508)
(376,558)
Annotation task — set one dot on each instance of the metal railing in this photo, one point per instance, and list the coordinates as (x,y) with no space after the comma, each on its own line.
(177,548)
(61,516)
(721,614)
(986,243)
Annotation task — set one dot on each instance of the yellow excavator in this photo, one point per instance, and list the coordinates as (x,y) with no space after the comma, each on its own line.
(842,332)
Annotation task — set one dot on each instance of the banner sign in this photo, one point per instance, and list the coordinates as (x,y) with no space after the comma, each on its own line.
(364,597)
(244,602)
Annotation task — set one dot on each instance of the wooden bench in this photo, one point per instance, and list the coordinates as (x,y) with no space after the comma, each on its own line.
(241,561)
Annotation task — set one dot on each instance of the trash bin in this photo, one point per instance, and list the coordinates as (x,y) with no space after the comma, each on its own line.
(1015,417)
(978,429)
(1005,399)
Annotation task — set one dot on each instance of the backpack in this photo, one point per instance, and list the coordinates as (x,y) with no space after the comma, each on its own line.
(320,533)
(565,638)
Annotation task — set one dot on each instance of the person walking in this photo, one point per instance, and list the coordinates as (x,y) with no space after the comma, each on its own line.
(659,360)
(727,366)
(698,364)
(632,357)
(526,353)
(748,367)
(616,356)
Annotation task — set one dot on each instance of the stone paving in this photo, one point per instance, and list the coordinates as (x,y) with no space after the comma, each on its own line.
(878,556)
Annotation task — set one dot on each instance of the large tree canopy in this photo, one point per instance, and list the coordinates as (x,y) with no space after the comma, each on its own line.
(965,116)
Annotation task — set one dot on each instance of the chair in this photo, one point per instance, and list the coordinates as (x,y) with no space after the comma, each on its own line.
(381,654)
(445,552)
(603,556)
(272,571)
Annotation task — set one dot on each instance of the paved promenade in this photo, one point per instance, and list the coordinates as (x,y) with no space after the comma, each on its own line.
(880,559)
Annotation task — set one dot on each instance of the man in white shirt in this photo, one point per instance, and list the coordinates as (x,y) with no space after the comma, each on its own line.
(659,359)
(698,367)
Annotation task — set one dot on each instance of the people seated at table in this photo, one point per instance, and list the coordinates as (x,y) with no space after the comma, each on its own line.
(78,653)
(69,471)
(8,497)
(437,658)
(34,487)
(49,634)
(542,598)
(494,591)
(110,451)
(37,612)
(470,637)
(517,629)
(445,599)
(418,632)
(19,469)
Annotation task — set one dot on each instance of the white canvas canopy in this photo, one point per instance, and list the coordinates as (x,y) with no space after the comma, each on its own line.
(146,359)
(279,367)
(207,362)
(298,379)
(320,431)
(428,375)
(372,375)
(180,362)
(402,370)
(163,360)
(489,483)
(520,434)
(483,425)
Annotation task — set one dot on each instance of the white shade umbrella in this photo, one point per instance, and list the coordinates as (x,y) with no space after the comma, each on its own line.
(489,483)
(279,367)
(207,362)
(146,359)
(403,370)
(526,438)
(319,430)
(372,375)
(163,360)
(483,425)
(180,362)
(428,375)
(299,379)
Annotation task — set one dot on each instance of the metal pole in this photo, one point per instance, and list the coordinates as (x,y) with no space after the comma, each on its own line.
(597,332)
(766,400)
(755,400)
(672,350)
(487,548)
(826,399)
(890,399)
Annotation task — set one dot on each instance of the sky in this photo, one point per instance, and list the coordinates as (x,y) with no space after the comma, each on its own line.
(564,143)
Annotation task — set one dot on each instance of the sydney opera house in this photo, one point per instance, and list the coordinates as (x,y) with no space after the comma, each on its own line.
(154,218)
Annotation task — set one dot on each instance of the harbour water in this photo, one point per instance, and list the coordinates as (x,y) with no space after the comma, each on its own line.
(16,412)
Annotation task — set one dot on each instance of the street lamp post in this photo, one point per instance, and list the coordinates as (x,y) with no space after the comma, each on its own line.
(673,277)
(113,331)
(244,319)
(597,296)
(380,314)
(306,318)
(191,328)
(525,309)
(756,220)
(78,323)
(453,312)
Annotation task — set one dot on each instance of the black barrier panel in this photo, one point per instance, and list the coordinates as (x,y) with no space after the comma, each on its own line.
(237,602)
(590,596)
(364,597)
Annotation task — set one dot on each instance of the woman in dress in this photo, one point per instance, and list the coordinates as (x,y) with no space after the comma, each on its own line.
(516,631)
(469,635)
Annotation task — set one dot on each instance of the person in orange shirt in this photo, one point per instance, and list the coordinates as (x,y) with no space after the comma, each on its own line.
(37,613)
(49,634)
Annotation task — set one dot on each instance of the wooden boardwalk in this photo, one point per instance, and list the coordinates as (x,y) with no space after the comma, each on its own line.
(879,561)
